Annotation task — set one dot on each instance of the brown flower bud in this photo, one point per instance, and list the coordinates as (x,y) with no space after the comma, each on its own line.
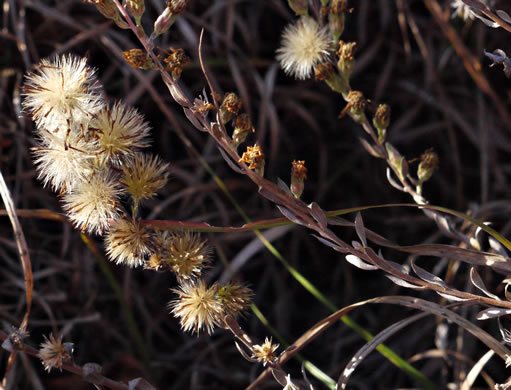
(381,121)
(177,7)
(298,175)
(241,130)
(231,105)
(357,102)
(427,166)
(324,71)
(336,17)
(300,7)
(346,54)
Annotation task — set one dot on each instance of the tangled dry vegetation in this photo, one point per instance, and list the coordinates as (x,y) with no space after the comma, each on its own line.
(297,194)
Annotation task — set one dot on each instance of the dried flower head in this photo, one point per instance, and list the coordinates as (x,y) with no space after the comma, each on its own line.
(63,161)
(197,306)
(62,90)
(304,45)
(53,352)
(265,353)
(144,176)
(235,298)
(138,58)
(254,157)
(128,242)
(186,254)
(120,130)
(93,204)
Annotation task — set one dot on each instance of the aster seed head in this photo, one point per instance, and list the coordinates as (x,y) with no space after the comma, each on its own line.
(64,160)
(265,353)
(304,45)
(120,130)
(62,91)
(197,306)
(94,203)
(235,298)
(143,176)
(53,352)
(186,254)
(128,242)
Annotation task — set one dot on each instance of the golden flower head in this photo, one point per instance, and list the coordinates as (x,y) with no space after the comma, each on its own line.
(304,45)
(120,131)
(265,353)
(128,242)
(53,352)
(62,90)
(197,306)
(143,176)
(93,203)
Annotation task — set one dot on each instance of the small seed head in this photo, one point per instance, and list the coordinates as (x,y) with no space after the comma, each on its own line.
(428,165)
(53,352)
(265,353)
(138,58)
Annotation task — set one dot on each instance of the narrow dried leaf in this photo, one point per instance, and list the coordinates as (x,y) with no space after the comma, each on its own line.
(360,229)
(453,297)
(428,276)
(392,182)
(507,294)
(140,384)
(503,15)
(497,246)
(331,244)
(363,352)
(318,214)
(357,262)
(290,215)
(488,22)
(478,282)
(492,312)
(193,119)
(506,335)
(475,4)
(283,186)
(370,149)
(229,162)
(404,283)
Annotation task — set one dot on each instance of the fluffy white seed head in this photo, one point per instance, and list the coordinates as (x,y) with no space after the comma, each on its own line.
(62,92)
(64,160)
(304,45)
(128,242)
(93,204)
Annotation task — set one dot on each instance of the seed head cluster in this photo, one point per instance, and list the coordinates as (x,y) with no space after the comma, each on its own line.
(92,154)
